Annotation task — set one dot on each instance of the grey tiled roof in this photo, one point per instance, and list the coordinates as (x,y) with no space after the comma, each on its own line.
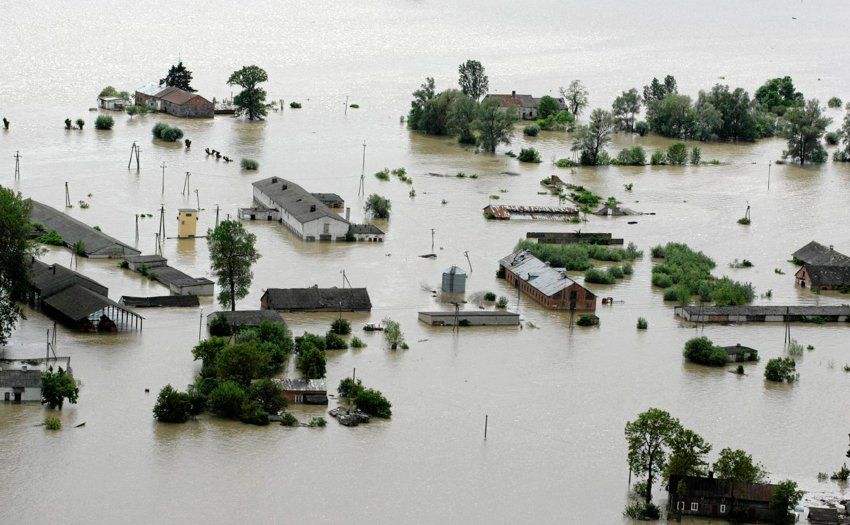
(295,200)
(816,253)
(314,298)
(537,273)
(71,230)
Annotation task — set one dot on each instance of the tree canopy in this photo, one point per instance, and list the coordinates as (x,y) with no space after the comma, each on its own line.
(494,125)
(251,101)
(575,95)
(178,76)
(16,250)
(647,437)
(778,94)
(232,253)
(472,80)
(737,465)
(590,139)
(625,109)
(803,127)
(56,387)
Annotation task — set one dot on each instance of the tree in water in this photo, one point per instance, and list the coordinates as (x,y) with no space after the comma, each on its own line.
(590,139)
(16,251)
(648,437)
(785,498)
(421,97)
(232,253)
(687,454)
(178,76)
(461,115)
(737,465)
(473,82)
(58,386)
(625,109)
(494,125)
(575,96)
(804,126)
(251,100)
(778,94)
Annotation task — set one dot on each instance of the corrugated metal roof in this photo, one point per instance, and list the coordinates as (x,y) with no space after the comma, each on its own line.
(71,230)
(77,303)
(314,298)
(304,385)
(537,273)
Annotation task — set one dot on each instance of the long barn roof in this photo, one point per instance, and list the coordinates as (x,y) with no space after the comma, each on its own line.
(295,200)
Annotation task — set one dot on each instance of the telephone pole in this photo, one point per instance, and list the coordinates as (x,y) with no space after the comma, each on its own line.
(216,215)
(163,178)
(362,190)
(186,190)
(433,231)
(17,157)
(467,260)
(67,196)
(134,151)
(137,231)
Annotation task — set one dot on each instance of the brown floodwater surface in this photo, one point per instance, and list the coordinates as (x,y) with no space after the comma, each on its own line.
(557,396)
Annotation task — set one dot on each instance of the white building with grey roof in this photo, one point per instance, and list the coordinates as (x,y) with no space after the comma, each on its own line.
(301,212)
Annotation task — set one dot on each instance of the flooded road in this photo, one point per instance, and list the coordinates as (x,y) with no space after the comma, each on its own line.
(557,396)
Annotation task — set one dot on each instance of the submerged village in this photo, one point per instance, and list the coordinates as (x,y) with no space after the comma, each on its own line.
(265,352)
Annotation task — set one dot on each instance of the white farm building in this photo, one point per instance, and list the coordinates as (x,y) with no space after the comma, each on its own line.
(299,210)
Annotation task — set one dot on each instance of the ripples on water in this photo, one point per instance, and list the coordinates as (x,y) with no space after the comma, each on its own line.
(557,397)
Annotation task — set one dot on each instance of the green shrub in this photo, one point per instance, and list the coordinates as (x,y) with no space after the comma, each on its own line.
(529,155)
(642,324)
(677,154)
(269,394)
(597,276)
(832,138)
(531,130)
(172,134)
(56,387)
(659,158)
(158,128)
(696,156)
(295,105)
(373,402)
(172,406)
(309,340)
(692,272)
(379,206)
(702,351)
(335,341)
(81,123)
(384,174)
(288,420)
(253,413)
(577,256)
(250,165)
(349,388)
(566,163)
(317,421)
(489,296)
(104,122)
(834,102)
(341,326)
(52,423)
(587,320)
(502,303)
(226,399)
(357,343)
(641,128)
(312,363)
(634,156)
(354,106)
(219,326)
(781,369)
(51,238)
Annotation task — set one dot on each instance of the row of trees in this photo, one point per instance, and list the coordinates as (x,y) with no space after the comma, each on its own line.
(459,112)
(660,447)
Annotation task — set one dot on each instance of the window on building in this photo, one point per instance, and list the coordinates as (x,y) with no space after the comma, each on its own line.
(723,509)
(327,228)
(694,507)
(680,505)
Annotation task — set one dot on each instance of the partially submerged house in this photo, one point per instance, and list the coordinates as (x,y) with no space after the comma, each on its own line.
(822,277)
(161,301)
(710,497)
(77,235)
(315,299)
(526,106)
(824,516)
(366,233)
(174,101)
(331,200)
(305,391)
(740,354)
(551,287)
(761,314)
(78,302)
(816,254)
(111,103)
(178,283)
(470,318)
(20,379)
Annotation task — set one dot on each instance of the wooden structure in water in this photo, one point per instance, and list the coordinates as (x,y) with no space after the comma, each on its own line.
(470,318)
(573,238)
(508,211)
(763,314)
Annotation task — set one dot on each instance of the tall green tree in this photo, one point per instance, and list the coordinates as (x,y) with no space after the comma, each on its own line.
(656,91)
(673,116)
(647,438)
(472,80)
(547,106)
(843,155)
(16,251)
(737,465)
(625,109)
(494,125)
(687,454)
(56,387)
(575,95)
(778,94)
(804,126)
(178,76)
(462,112)
(783,501)
(421,97)
(590,139)
(232,253)
(251,101)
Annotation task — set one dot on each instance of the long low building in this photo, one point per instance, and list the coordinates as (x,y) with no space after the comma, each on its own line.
(470,318)
(761,314)
(551,287)
(315,299)
(300,211)
(77,235)
(178,283)
(20,379)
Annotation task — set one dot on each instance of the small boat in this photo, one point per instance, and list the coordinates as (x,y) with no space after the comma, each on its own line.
(372,327)
(429,256)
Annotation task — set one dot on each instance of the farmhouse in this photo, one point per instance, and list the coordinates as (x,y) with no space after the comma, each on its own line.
(817,254)
(111,103)
(823,277)
(526,106)
(20,379)
(305,391)
(299,210)
(175,101)
(740,354)
(549,286)
(718,498)
(316,299)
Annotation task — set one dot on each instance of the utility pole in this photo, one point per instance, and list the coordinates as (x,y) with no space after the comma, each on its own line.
(137,231)
(198,200)
(67,196)
(17,157)
(768,177)
(200,323)
(157,248)
(161,230)
(186,190)
(467,260)
(486,417)
(163,178)
(134,151)
(216,215)
(362,190)
(346,104)
(433,231)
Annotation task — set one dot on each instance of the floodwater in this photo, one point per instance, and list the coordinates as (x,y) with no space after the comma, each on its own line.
(557,396)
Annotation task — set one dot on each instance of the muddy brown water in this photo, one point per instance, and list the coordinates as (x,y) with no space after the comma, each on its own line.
(557,396)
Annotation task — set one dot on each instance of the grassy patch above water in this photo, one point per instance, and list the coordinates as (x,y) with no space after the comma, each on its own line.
(684,273)
(578,257)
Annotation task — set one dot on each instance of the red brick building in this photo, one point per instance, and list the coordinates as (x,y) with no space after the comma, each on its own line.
(549,286)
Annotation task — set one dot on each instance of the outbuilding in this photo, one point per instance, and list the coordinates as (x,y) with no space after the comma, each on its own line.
(551,287)
(315,299)
(20,379)
(454,280)
(300,211)
(305,391)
